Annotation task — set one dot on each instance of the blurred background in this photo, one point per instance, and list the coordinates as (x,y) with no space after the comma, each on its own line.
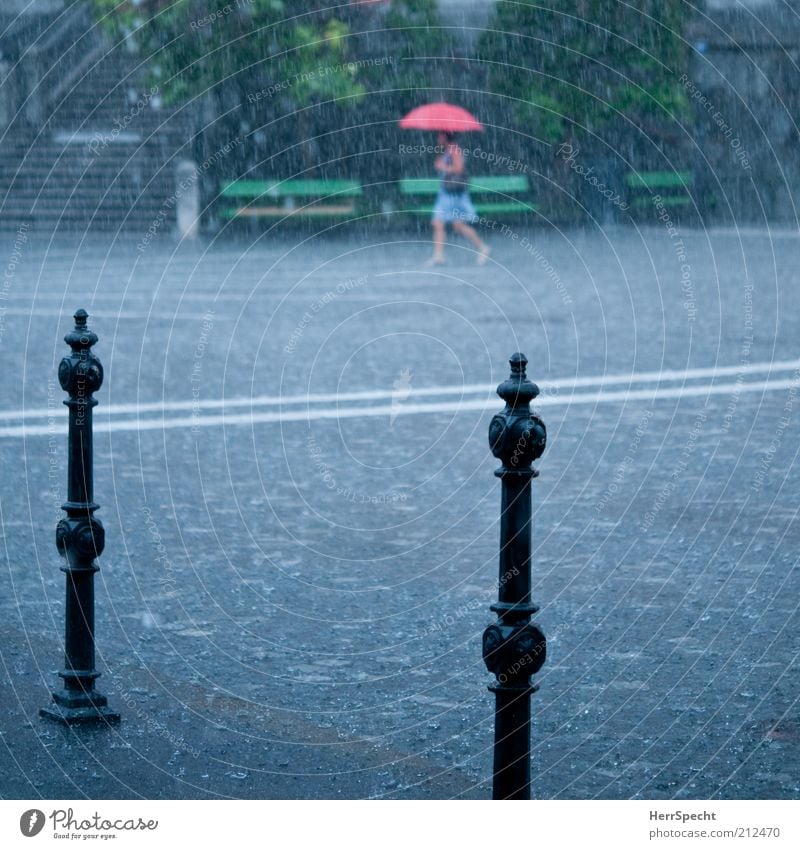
(100,99)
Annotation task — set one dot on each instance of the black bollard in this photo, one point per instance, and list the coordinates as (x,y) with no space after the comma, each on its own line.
(80,537)
(513,647)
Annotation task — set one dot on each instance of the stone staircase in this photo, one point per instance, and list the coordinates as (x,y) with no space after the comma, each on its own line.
(91,147)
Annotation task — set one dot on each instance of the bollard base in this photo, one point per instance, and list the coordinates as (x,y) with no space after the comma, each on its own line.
(80,716)
(70,708)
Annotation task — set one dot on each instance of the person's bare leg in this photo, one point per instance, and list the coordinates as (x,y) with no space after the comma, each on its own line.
(438,244)
(472,234)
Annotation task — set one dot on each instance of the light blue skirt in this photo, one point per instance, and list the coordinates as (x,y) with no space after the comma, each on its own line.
(451,207)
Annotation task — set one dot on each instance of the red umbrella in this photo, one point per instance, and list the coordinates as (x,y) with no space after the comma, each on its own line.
(440,116)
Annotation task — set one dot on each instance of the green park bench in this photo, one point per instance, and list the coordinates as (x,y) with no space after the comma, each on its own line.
(508,194)
(672,187)
(253,199)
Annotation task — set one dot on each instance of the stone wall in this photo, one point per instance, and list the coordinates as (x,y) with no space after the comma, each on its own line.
(743,80)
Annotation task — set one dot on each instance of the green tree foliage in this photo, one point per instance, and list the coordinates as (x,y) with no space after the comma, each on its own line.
(197,46)
(282,72)
(406,60)
(416,38)
(588,66)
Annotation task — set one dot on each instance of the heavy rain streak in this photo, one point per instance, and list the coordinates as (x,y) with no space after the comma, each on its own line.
(400,402)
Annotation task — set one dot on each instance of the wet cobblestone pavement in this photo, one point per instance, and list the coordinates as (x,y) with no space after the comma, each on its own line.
(302,520)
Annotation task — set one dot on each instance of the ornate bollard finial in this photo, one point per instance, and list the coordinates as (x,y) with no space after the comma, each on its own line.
(513,647)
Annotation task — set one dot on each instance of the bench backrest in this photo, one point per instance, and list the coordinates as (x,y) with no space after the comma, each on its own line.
(505,184)
(658,179)
(291,188)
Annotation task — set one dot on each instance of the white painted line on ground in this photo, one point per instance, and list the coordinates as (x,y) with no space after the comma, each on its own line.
(310,289)
(548,387)
(139,316)
(769,232)
(214,301)
(315,414)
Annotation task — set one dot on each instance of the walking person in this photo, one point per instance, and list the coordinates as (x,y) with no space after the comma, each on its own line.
(453,204)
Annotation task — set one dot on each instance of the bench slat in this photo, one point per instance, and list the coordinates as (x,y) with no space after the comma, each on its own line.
(430,186)
(314,210)
(658,179)
(480,208)
(664,200)
(423,186)
(512,206)
(291,188)
(506,183)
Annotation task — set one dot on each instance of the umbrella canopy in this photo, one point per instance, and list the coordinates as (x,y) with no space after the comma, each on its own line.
(440,116)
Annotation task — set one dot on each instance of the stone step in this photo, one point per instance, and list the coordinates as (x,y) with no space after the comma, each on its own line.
(103,152)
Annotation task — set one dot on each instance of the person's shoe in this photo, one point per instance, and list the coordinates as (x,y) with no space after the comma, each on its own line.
(483,255)
(434,260)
